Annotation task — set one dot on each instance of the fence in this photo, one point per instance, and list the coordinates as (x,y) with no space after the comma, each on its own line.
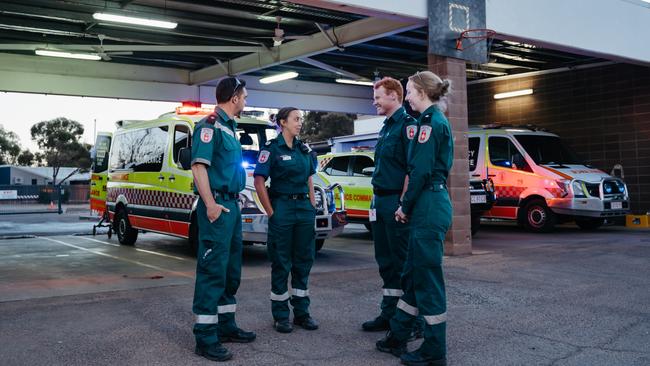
(21,199)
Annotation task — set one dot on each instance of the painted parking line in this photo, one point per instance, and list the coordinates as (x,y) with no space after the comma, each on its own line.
(137,249)
(118,258)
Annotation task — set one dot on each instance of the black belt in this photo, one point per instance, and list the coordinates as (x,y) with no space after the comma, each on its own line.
(291,196)
(225,195)
(386,192)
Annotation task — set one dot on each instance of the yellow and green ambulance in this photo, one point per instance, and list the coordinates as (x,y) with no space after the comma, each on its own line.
(149,189)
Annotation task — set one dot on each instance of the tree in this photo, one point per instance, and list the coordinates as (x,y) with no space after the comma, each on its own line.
(59,141)
(9,146)
(26,158)
(320,126)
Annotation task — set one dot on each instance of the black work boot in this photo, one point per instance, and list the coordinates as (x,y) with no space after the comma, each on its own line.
(283,326)
(390,344)
(214,352)
(416,358)
(306,322)
(378,324)
(238,336)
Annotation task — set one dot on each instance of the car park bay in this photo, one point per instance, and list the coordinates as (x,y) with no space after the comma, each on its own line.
(576,297)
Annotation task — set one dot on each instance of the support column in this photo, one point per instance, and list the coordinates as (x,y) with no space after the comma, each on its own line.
(459,236)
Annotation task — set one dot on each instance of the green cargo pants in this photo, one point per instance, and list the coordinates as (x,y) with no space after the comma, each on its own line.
(218,272)
(391,244)
(423,281)
(291,250)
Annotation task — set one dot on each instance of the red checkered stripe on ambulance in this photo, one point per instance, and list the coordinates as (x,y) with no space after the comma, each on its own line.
(147,197)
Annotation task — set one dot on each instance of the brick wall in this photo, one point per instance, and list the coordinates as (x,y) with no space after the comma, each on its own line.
(602,112)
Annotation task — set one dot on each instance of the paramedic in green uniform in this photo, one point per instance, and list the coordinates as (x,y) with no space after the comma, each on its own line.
(218,179)
(426,206)
(290,206)
(388,184)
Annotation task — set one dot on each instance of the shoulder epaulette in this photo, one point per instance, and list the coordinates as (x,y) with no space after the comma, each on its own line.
(426,118)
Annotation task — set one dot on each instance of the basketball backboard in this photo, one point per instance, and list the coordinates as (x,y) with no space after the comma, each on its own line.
(448,19)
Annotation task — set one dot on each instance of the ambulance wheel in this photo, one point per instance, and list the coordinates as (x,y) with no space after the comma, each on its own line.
(126,235)
(94,230)
(537,217)
(110,232)
(194,237)
(589,224)
(319,244)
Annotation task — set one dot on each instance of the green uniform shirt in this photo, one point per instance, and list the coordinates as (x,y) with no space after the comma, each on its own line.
(430,157)
(391,151)
(215,144)
(288,168)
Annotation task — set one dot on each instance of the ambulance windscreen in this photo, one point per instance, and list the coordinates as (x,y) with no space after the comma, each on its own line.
(549,150)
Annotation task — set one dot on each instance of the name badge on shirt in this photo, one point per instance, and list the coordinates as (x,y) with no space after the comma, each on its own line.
(285,157)
(372,215)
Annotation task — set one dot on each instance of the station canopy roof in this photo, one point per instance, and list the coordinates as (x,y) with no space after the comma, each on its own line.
(213,34)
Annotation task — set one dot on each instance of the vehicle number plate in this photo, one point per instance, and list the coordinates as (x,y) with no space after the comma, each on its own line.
(617,205)
(478,199)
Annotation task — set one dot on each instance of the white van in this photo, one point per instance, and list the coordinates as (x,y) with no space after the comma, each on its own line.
(149,189)
(539,181)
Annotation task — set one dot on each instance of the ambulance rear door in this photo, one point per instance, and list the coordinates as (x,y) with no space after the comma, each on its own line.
(99,176)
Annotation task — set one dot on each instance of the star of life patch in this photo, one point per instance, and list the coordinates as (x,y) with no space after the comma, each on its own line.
(264,156)
(206,134)
(425,133)
(410,132)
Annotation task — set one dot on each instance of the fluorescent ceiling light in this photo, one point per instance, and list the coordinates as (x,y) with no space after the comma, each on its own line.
(516,58)
(516,93)
(133,20)
(64,54)
(279,77)
(355,82)
(488,72)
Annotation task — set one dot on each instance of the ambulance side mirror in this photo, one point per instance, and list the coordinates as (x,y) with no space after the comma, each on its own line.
(368,171)
(185,158)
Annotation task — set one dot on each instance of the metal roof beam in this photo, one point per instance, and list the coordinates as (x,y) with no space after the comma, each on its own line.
(332,69)
(135,48)
(347,35)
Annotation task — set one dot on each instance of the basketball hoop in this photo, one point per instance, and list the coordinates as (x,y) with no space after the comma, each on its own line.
(474,36)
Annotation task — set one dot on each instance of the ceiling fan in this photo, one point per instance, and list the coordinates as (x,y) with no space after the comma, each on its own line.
(279,35)
(106,56)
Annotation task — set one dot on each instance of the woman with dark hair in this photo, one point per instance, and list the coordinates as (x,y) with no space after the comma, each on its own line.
(290,206)
(426,206)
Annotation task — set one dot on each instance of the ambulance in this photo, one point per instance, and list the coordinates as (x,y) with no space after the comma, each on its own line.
(353,171)
(150,185)
(540,182)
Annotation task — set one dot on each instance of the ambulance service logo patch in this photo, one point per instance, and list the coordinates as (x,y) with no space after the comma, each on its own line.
(206,134)
(425,133)
(264,156)
(410,132)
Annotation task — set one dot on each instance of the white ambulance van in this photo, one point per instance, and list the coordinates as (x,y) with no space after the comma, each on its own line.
(539,181)
(149,189)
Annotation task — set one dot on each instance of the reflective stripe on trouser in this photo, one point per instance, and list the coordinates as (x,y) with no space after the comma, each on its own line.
(218,272)
(423,280)
(291,250)
(391,243)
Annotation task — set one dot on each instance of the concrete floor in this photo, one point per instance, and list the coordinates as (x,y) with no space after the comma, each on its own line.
(567,298)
